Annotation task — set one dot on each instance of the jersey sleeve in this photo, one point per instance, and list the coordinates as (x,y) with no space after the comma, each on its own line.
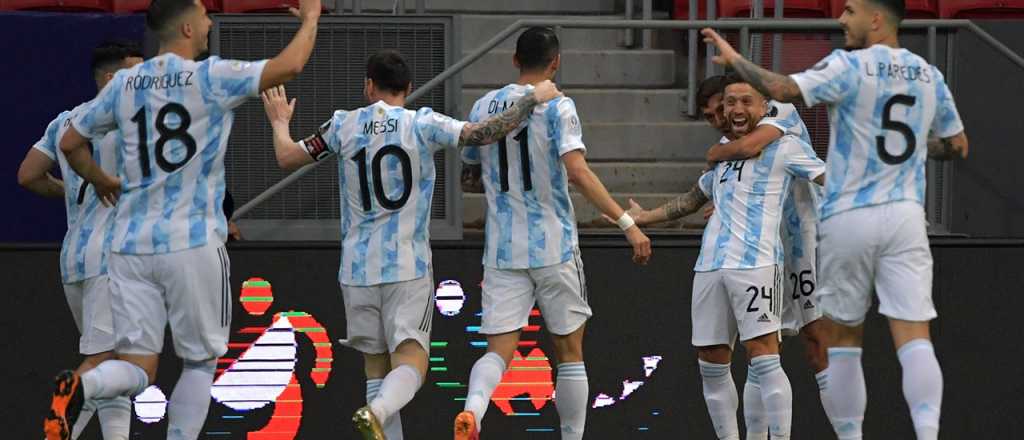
(471,155)
(801,160)
(706,183)
(48,143)
(831,80)
(437,130)
(782,116)
(326,139)
(947,121)
(96,117)
(564,126)
(231,82)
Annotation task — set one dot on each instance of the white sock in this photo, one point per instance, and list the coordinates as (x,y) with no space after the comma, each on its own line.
(776,394)
(571,391)
(396,390)
(922,387)
(822,379)
(114,378)
(753,408)
(483,379)
(393,428)
(843,391)
(84,417)
(115,417)
(190,400)
(720,396)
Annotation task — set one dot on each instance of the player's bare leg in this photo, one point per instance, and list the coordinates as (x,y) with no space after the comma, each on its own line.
(571,386)
(842,383)
(923,388)
(776,392)
(397,388)
(483,379)
(719,389)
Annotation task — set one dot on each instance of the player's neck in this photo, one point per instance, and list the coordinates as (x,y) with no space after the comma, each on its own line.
(531,78)
(890,39)
(180,48)
(392,100)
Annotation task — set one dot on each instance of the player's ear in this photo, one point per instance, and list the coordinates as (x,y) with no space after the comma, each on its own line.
(368,88)
(408,89)
(186,29)
(515,62)
(555,63)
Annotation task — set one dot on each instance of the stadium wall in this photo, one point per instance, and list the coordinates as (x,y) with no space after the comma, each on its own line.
(640,313)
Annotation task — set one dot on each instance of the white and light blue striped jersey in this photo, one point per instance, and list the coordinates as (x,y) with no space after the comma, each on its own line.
(530,218)
(882,102)
(83,254)
(386,183)
(175,116)
(748,194)
(800,210)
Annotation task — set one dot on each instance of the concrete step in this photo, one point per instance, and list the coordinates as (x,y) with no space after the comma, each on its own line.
(474,210)
(588,7)
(614,105)
(478,29)
(647,177)
(654,69)
(675,141)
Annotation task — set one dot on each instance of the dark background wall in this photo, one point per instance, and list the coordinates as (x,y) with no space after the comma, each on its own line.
(639,311)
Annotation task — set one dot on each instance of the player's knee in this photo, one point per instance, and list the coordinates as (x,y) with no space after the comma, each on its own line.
(762,345)
(569,351)
(718,354)
(208,366)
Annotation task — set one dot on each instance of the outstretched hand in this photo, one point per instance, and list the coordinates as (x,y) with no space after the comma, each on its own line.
(726,54)
(275,103)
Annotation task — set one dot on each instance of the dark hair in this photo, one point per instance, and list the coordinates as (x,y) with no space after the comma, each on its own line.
(711,86)
(162,14)
(536,48)
(896,8)
(107,57)
(734,78)
(388,70)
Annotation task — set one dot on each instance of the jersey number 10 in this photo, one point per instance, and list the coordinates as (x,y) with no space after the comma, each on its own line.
(378,184)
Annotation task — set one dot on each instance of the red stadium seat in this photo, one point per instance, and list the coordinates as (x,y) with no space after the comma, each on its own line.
(129,6)
(58,5)
(239,6)
(681,10)
(213,5)
(915,8)
(792,8)
(1000,9)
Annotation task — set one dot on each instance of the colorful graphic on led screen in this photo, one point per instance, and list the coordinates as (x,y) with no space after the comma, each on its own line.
(260,368)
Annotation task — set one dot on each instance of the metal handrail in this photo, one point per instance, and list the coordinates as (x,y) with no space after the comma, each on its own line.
(744,26)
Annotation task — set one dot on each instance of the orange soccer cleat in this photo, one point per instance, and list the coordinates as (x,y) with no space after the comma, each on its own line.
(64,407)
(465,426)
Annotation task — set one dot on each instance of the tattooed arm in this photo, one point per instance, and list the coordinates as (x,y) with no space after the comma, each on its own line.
(497,127)
(778,87)
(471,178)
(686,204)
(948,148)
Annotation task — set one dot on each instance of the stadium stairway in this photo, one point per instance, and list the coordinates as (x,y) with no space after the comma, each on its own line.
(631,101)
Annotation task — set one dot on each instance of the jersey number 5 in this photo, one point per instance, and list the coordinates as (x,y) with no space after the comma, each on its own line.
(166,134)
(904,129)
(378,184)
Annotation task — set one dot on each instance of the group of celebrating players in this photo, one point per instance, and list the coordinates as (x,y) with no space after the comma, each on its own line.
(793,245)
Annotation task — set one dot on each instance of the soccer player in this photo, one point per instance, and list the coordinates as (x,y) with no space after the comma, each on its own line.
(168,263)
(83,256)
(882,102)
(386,183)
(532,252)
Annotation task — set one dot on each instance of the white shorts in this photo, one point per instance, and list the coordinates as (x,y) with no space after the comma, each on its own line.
(879,249)
(89,301)
(188,289)
(380,318)
(799,301)
(559,290)
(731,302)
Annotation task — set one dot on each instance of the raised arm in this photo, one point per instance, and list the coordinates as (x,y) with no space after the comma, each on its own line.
(779,87)
(34,175)
(290,155)
(588,184)
(500,125)
(289,63)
